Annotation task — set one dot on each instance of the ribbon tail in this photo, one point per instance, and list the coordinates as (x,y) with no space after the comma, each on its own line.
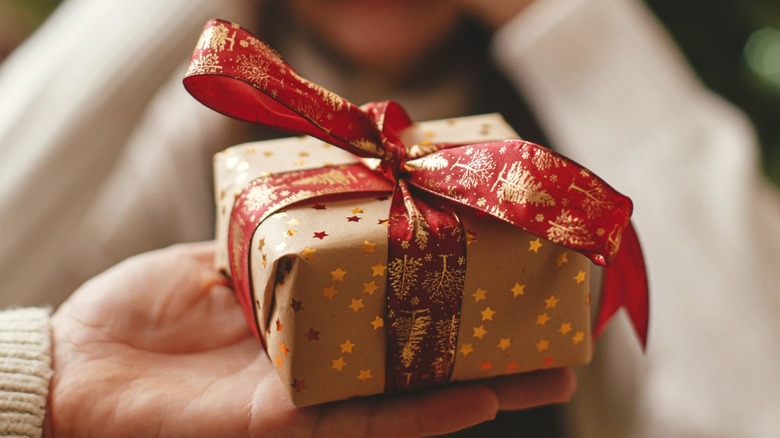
(625,285)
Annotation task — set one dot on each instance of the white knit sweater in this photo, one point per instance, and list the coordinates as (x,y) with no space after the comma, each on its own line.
(25,371)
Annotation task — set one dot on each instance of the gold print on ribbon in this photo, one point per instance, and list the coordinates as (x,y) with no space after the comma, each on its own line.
(544,160)
(216,37)
(365,144)
(569,230)
(204,63)
(417,223)
(596,200)
(264,49)
(476,171)
(435,162)
(614,239)
(237,244)
(446,340)
(444,284)
(254,68)
(333,100)
(311,110)
(333,177)
(420,150)
(518,185)
(259,196)
(403,274)
(412,328)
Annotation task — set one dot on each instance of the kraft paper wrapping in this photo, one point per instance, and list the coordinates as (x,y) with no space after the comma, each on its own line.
(319,278)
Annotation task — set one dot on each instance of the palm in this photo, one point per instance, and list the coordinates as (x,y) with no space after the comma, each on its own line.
(159,346)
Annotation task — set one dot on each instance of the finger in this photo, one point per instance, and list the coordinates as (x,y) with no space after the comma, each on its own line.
(428,412)
(522,391)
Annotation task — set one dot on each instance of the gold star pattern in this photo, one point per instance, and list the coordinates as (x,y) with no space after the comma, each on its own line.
(565,328)
(338,274)
(356,304)
(551,302)
(338,364)
(370,288)
(261,244)
(562,259)
(378,270)
(480,331)
(290,232)
(357,210)
(283,348)
(542,319)
(578,337)
(518,289)
(534,245)
(347,346)
(487,314)
(279,247)
(580,277)
(279,325)
(479,295)
(279,361)
(293,222)
(542,345)
(308,253)
(329,292)
(471,237)
(377,322)
(504,343)
(364,375)
(466,349)
(368,247)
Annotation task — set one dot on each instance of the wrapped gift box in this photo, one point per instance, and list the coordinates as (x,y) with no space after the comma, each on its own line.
(377,255)
(319,272)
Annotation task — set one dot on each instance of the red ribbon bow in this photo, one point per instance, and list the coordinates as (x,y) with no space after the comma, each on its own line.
(519,182)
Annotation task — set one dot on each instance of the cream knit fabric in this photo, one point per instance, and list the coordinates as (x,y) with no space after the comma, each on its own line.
(25,370)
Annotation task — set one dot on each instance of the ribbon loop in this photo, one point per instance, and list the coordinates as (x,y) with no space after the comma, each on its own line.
(249,81)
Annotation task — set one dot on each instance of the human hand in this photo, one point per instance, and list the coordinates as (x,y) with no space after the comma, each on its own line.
(158,346)
(494,13)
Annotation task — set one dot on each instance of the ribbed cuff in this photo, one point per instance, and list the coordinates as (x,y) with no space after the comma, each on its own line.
(25,371)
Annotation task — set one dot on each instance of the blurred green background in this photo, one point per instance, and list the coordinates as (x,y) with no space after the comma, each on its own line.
(734,46)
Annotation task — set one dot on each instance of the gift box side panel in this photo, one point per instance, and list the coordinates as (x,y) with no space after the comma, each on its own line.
(325,333)
(526,303)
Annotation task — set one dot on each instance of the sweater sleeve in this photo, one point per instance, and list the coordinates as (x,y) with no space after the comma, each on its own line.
(25,371)
(614,93)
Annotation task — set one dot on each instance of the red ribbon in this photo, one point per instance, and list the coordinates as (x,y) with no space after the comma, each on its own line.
(519,182)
